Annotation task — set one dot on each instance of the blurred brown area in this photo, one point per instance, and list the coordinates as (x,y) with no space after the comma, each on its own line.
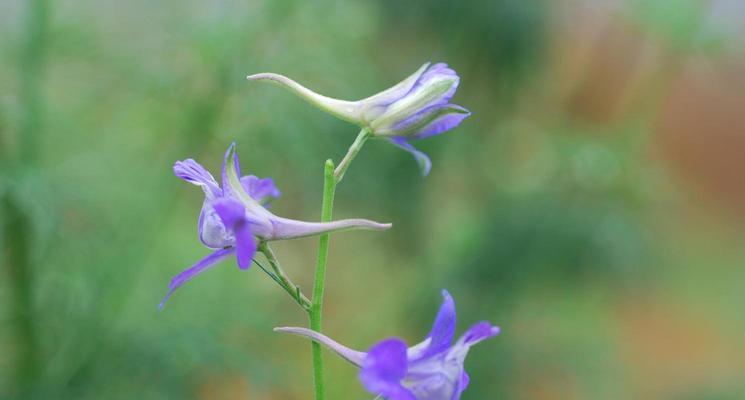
(701,130)
(674,351)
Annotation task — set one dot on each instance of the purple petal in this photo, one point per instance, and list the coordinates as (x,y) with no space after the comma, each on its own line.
(462,385)
(430,121)
(443,123)
(353,356)
(190,273)
(192,172)
(437,71)
(259,189)
(475,334)
(478,332)
(231,211)
(245,246)
(384,368)
(425,164)
(443,329)
(233,215)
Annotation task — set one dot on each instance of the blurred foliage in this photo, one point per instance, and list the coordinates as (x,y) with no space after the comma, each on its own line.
(554,211)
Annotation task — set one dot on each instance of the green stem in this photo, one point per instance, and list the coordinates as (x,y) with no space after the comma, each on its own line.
(282,279)
(331,178)
(327,206)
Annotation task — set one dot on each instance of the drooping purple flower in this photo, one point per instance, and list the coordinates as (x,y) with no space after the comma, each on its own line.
(415,108)
(234,220)
(430,370)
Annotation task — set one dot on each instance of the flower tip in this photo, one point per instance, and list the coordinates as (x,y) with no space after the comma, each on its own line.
(162,303)
(230,152)
(272,78)
(425,169)
(381,226)
(462,110)
(259,76)
(244,262)
(372,225)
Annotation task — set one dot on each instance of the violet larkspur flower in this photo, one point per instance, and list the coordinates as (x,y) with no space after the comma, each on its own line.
(416,108)
(430,370)
(234,220)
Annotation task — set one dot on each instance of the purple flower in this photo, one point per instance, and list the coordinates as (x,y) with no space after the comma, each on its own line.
(234,220)
(416,108)
(430,370)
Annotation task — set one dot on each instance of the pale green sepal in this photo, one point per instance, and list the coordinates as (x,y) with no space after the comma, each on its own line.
(375,105)
(413,102)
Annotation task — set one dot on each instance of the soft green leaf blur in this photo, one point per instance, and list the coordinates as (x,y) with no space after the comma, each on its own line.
(593,205)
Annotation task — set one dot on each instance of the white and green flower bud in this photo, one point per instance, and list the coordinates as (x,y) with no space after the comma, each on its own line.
(415,108)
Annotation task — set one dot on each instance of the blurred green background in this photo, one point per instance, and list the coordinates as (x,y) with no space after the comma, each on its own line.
(593,206)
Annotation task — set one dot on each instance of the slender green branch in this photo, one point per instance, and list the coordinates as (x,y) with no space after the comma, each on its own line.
(266,271)
(351,154)
(282,279)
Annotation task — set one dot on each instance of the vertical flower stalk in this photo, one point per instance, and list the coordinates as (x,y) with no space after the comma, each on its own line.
(316,308)
(331,178)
